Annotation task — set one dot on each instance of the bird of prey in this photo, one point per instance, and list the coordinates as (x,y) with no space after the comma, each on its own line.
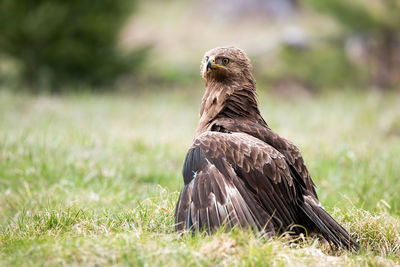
(238,172)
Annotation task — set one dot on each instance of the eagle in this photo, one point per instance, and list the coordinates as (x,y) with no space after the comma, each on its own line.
(238,172)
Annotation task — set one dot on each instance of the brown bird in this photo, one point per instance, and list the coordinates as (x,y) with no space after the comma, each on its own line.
(238,172)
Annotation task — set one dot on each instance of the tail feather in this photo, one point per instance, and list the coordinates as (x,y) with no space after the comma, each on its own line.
(328,227)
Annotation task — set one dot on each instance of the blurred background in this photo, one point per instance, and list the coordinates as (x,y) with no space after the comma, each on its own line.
(297,47)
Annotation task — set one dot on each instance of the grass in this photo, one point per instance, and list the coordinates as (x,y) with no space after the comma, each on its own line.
(93,179)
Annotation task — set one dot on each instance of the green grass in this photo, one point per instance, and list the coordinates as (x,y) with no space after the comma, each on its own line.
(93,180)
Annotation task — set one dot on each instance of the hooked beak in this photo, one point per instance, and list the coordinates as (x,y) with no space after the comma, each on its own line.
(212,65)
(209,65)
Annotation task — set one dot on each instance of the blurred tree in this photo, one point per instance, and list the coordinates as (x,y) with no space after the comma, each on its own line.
(378,22)
(58,43)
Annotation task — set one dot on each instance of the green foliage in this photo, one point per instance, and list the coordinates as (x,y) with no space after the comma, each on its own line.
(379,24)
(56,43)
(93,180)
(319,67)
(361,15)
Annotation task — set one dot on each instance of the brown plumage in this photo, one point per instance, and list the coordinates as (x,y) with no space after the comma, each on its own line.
(238,172)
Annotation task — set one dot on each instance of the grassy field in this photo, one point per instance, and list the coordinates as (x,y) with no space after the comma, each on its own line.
(92,180)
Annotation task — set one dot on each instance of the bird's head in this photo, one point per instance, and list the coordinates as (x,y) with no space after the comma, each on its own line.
(224,64)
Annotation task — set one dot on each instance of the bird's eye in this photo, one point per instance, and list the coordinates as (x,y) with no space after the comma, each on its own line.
(225,61)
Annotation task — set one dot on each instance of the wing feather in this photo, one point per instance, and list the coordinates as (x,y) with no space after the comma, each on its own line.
(225,186)
(292,154)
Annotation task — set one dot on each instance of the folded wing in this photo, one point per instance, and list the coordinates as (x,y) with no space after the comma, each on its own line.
(236,180)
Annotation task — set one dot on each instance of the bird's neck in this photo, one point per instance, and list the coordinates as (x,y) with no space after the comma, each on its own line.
(228,100)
